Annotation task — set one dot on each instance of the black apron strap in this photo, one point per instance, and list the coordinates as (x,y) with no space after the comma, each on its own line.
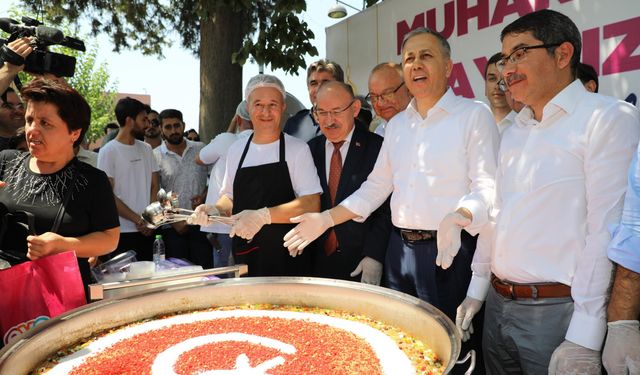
(244,153)
(282,158)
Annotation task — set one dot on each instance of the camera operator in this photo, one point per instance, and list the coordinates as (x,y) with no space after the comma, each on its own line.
(11,107)
(21,47)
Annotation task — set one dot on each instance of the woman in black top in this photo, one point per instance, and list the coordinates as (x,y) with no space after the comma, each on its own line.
(38,181)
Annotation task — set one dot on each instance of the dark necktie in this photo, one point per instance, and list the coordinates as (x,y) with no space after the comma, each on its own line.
(335,170)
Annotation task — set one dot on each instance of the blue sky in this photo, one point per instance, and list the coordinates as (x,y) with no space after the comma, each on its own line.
(173,82)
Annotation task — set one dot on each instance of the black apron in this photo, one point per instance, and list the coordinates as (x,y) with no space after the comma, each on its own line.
(266,185)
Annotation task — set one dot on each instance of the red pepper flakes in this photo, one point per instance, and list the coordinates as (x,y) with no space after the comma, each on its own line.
(320,349)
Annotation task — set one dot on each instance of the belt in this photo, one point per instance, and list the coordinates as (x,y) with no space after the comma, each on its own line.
(412,235)
(529,291)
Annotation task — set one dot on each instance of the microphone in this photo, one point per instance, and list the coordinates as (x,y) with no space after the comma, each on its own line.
(45,34)
(48,35)
(8,25)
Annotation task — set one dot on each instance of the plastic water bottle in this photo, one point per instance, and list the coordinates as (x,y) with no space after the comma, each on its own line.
(158,250)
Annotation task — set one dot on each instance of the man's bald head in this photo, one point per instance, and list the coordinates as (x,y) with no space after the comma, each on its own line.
(336,85)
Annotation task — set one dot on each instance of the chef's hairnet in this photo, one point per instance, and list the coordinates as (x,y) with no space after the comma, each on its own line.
(263,80)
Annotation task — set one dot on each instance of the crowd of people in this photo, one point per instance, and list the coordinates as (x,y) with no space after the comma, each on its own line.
(517,219)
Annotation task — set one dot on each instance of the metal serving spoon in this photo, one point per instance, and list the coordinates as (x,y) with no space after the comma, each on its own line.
(156,215)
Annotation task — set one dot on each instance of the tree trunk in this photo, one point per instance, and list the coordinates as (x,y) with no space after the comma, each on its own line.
(220,80)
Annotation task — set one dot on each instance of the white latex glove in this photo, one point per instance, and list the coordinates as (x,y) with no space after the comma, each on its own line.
(621,354)
(449,238)
(249,222)
(570,359)
(464,314)
(201,215)
(371,271)
(310,226)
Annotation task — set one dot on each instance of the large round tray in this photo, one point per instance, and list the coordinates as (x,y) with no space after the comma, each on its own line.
(406,312)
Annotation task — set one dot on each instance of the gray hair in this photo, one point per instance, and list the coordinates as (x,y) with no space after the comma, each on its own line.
(446,48)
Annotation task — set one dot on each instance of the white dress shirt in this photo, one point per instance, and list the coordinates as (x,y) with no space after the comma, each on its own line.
(560,183)
(433,165)
(507,121)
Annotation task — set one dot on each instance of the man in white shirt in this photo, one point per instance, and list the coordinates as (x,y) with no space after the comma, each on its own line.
(542,265)
(215,153)
(492,90)
(133,173)
(387,92)
(269,178)
(438,159)
(180,174)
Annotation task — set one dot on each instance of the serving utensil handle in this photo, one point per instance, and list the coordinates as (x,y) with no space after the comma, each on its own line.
(471,357)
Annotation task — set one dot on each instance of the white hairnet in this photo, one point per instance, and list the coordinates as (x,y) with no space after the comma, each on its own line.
(242,111)
(263,80)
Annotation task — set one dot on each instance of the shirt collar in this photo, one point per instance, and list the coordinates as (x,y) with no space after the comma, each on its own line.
(446,103)
(347,140)
(165,150)
(566,100)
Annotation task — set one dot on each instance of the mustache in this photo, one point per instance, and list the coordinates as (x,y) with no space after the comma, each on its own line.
(331,126)
(514,77)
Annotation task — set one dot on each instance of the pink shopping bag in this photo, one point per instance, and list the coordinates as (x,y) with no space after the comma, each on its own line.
(34,291)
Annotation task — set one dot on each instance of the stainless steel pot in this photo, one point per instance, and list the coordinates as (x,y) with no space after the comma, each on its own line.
(403,311)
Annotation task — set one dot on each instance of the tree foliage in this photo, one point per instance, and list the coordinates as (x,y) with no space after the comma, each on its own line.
(271,33)
(267,31)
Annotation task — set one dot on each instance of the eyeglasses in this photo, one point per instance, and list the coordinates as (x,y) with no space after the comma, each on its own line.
(266,107)
(320,114)
(15,107)
(520,54)
(387,96)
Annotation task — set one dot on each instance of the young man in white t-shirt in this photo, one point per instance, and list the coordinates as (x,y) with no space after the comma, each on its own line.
(133,173)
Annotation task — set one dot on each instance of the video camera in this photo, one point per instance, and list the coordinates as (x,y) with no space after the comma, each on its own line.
(40,60)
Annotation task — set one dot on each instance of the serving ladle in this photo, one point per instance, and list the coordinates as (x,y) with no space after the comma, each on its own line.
(156,215)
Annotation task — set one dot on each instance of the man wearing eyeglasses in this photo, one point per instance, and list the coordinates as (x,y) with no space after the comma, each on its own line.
(344,156)
(560,183)
(11,107)
(180,174)
(152,134)
(303,125)
(11,116)
(438,156)
(387,93)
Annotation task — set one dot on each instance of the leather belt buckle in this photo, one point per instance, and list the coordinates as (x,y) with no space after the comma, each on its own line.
(516,291)
(408,235)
